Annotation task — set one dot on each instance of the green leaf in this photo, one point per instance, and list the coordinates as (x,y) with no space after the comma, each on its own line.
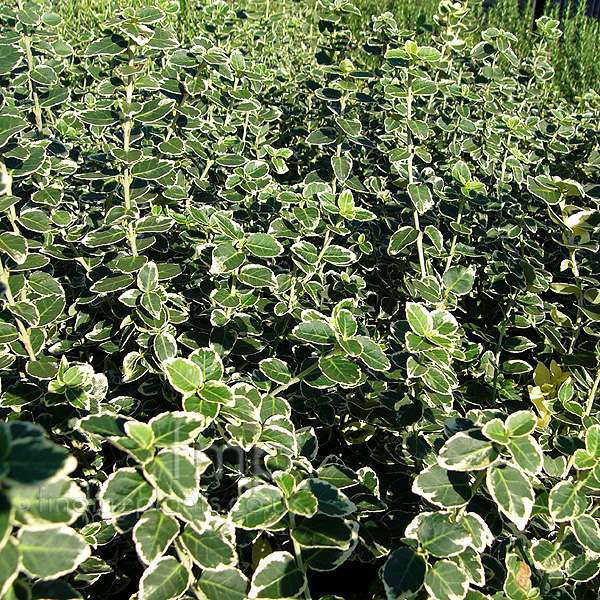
(403,574)
(372,354)
(165,346)
(9,124)
(14,245)
(322,531)
(458,280)
(263,245)
(337,255)
(545,556)
(111,283)
(147,277)
(210,363)
(277,576)
(276,370)
(428,54)
(35,220)
(125,492)
(99,118)
(421,197)
(521,423)
(402,238)
(9,60)
(424,87)
(8,333)
(140,432)
(153,534)
(306,252)
(177,428)
(164,579)
(223,584)
(331,501)
(44,75)
(151,169)
(257,276)
(56,503)
(33,460)
(258,508)
(174,473)
(466,451)
(341,370)
(439,534)
(155,110)
(345,323)
(214,392)
(303,503)
(10,561)
(351,127)
(106,237)
(447,489)
(587,532)
(592,441)
(208,548)
(419,318)
(183,374)
(544,188)
(527,453)
(346,204)
(461,172)
(26,311)
(322,137)
(197,513)
(496,431)
(511,490)
(315,332)
(446,581)
(51,552)
(566,501)
(342,167)
(481,536)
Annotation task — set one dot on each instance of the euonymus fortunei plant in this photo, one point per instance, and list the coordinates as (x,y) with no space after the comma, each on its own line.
(281,300)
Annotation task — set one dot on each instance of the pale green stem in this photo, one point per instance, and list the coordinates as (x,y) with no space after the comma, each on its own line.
(503,173)
(23,332)
(592,395)
(575,271)
(298,553)
(499,348)
(302,374)
(127,127)
(409,99)
(31,65)
(461,207)
(6,185)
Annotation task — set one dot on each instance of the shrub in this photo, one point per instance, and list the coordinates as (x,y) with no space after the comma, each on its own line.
(285,299)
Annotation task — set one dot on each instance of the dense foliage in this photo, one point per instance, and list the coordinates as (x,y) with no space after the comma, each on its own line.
(291,311)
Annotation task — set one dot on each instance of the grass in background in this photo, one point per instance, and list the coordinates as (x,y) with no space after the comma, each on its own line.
(574,55)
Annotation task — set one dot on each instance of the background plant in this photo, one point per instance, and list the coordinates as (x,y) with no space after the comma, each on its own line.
(285,296)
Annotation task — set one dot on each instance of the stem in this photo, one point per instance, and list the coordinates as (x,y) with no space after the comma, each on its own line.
(30,65)
(499,347)
(6,189)
(501,181)
(302,374)
(298,553)
(575,270)
(23,333)
(409,139)
(245,133)
(461,207)
(592,395)
(127,127)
